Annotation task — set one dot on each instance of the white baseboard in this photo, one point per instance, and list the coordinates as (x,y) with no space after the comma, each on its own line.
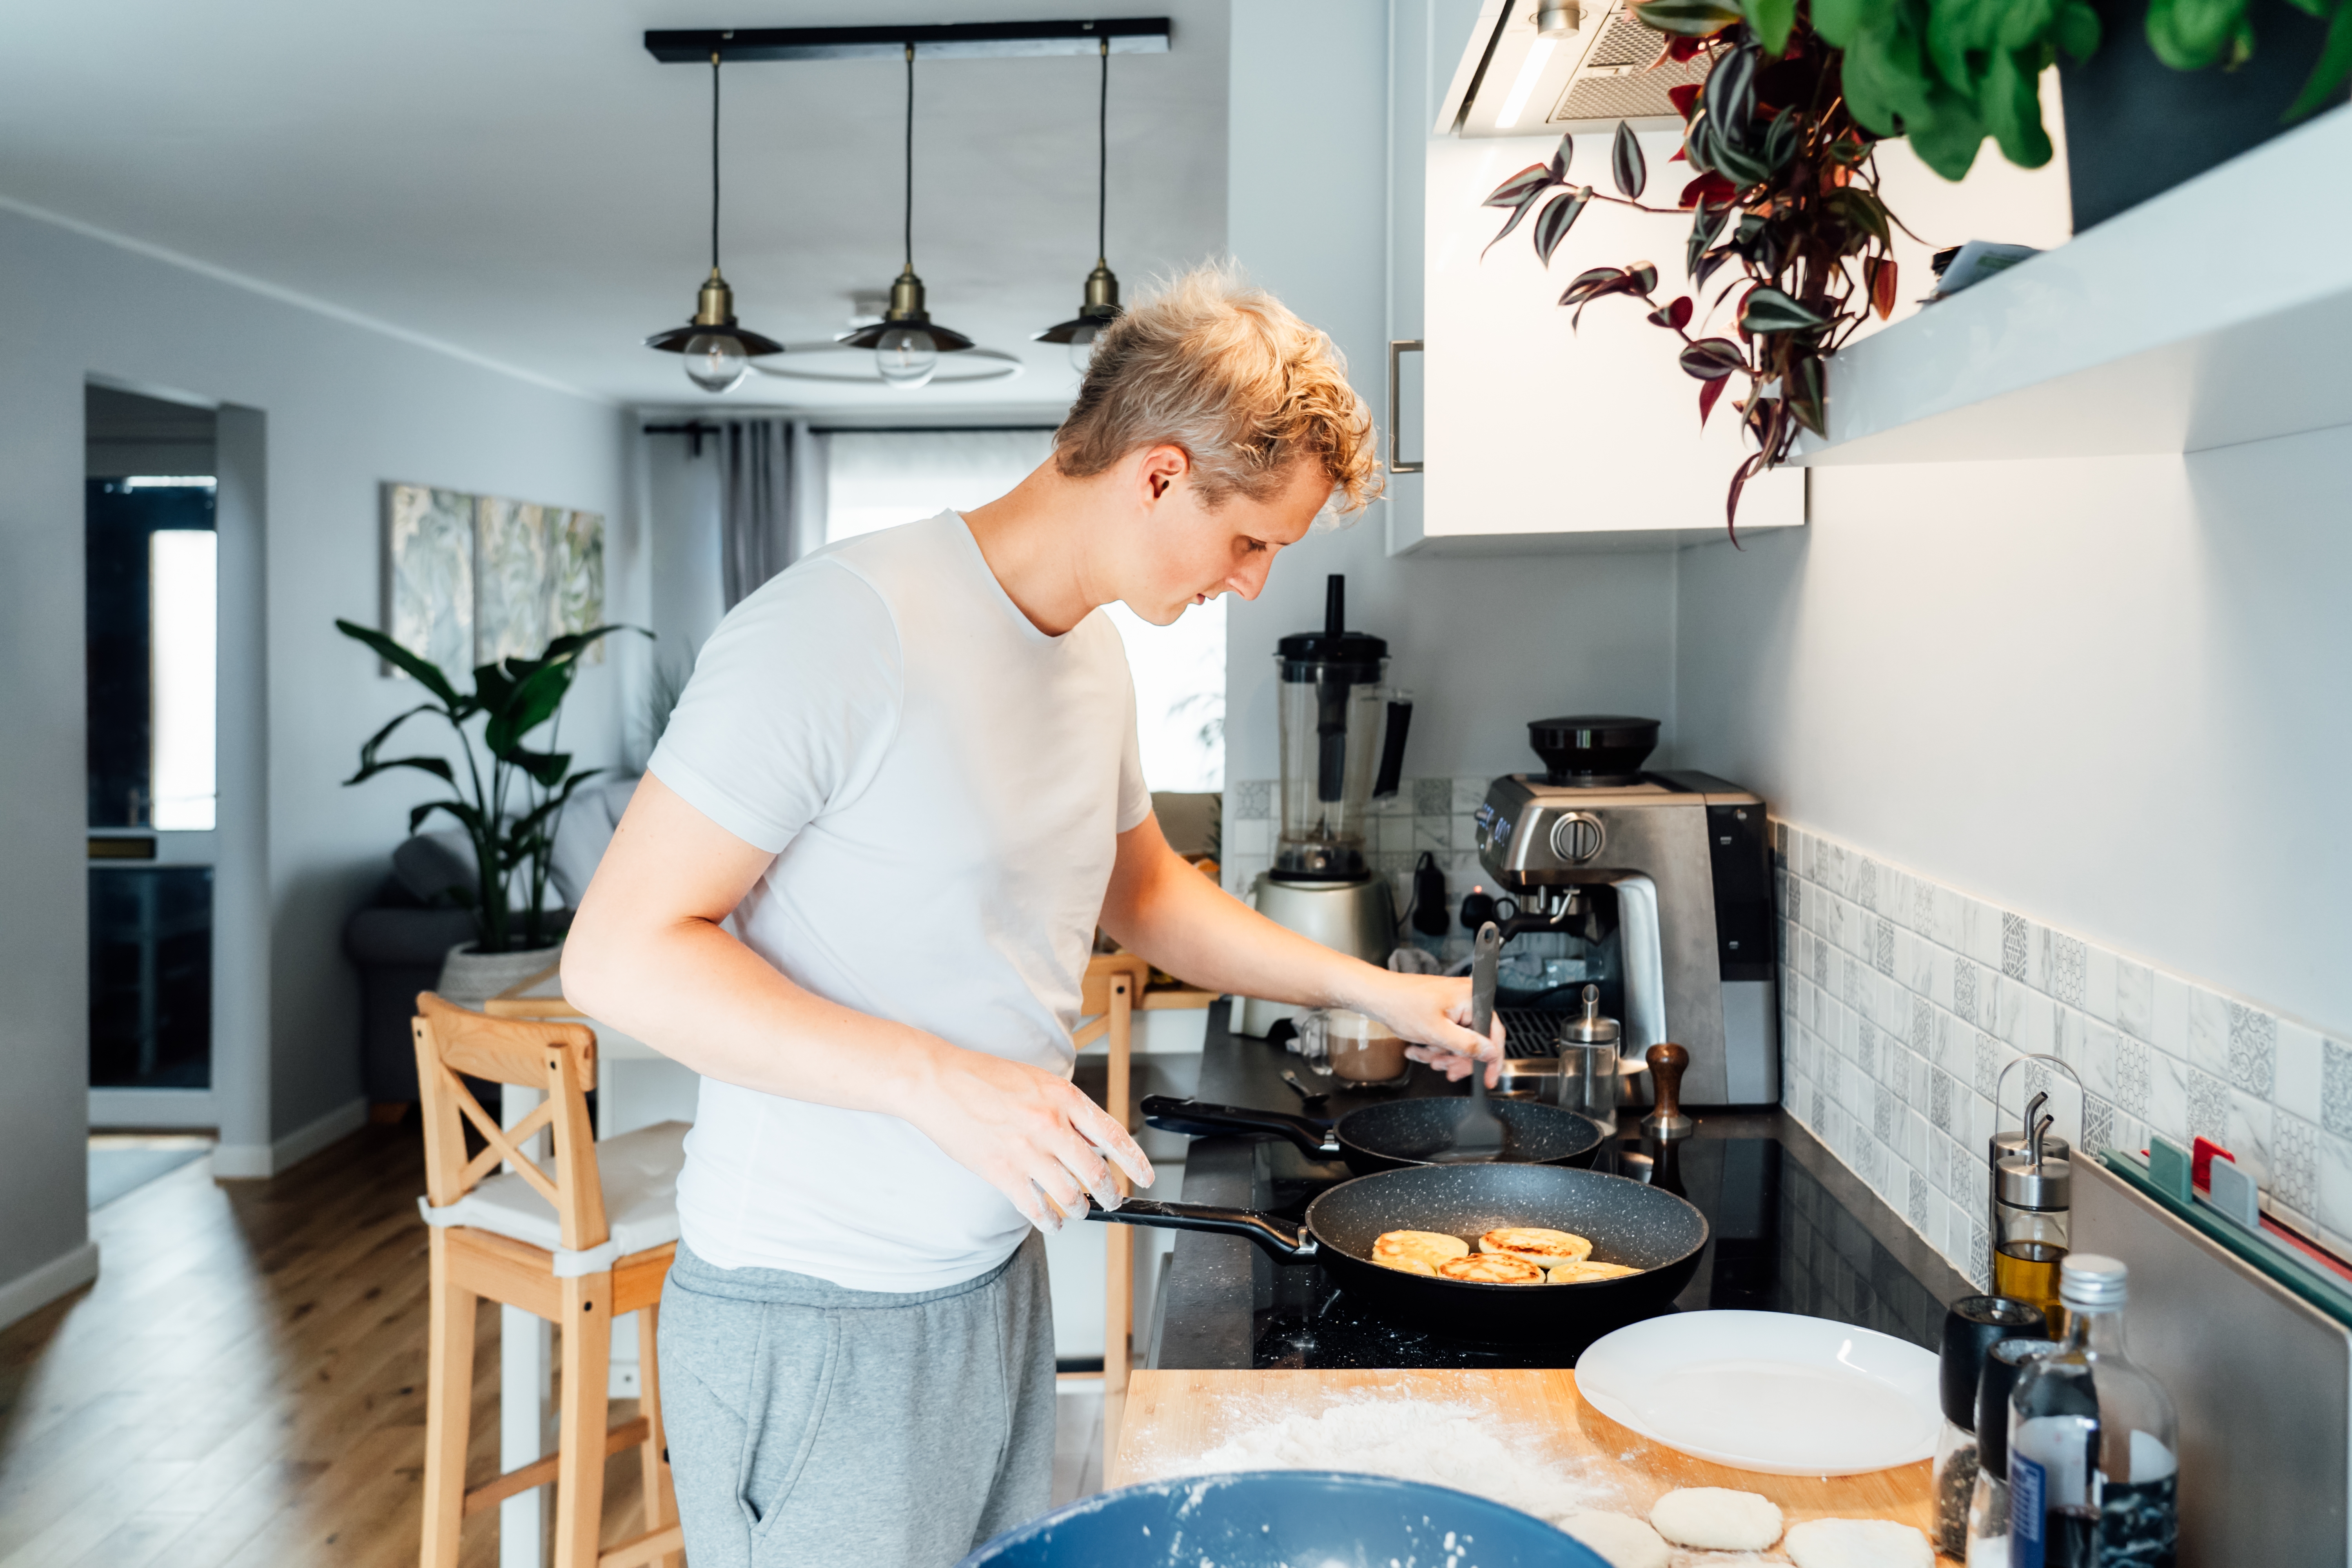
(252,1162)
(28,1294)
(152,1107)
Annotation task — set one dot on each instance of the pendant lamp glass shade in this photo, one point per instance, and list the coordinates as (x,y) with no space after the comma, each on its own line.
(717,351)
(906,342)
(1101,307)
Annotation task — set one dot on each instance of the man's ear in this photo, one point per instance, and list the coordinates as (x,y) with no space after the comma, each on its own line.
(1162,465)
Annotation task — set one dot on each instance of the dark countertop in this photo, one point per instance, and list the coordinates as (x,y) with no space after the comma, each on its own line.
(1794,1230)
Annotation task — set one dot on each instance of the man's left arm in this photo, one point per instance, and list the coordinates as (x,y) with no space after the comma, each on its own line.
(1160,906)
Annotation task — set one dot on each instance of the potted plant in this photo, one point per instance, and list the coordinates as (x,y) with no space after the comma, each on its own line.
(509,811)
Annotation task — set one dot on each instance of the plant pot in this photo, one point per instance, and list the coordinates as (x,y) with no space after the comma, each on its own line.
(470,978)
(2136,127)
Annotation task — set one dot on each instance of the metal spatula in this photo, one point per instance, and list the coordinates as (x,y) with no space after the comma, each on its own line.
(1479,1133)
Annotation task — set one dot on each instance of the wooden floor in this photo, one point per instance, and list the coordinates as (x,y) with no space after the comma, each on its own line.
(244,1384)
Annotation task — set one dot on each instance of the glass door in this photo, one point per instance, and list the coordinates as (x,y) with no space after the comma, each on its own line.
(152,596)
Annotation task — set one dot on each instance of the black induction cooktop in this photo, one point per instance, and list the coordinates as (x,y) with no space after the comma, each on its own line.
(1791,1230)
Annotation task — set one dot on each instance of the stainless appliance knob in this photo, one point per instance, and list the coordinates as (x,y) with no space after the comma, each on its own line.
(1578,836)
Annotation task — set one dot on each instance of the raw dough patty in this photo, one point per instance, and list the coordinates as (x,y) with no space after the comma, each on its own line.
(1539,1246)
(1588,1270)
(1492,1268)
(1717,1516)
(1403,1248)
(1621,1537)
(1858,1544)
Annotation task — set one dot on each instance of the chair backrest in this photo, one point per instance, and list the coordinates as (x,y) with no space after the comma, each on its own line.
(557,1060)
(1106,974)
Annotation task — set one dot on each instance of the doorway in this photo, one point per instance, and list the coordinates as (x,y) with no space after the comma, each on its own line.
(152,589)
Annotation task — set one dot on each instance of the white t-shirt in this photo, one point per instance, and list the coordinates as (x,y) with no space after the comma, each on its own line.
(942,784)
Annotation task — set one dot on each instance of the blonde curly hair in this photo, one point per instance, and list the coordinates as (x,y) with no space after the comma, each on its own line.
(1209,365)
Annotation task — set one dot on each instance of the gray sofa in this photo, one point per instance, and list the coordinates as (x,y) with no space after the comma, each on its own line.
(398,940)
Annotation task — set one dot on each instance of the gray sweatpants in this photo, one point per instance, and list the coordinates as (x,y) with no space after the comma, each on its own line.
(812,1425)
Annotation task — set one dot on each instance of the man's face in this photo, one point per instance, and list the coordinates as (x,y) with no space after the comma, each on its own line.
(1189,554)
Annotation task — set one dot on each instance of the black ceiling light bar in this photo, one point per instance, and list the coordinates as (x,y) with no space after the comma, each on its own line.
(944,41)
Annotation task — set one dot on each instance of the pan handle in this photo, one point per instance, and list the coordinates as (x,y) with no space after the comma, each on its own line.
(1284,1241)
(1195,1119)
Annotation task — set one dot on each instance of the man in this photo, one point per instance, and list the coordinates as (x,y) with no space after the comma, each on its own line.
(906,769)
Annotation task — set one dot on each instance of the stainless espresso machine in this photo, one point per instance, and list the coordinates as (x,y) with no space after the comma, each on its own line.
(1657,885)
(1343,733)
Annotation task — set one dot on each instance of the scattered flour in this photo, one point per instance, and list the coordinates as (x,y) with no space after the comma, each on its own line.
(1415,1440)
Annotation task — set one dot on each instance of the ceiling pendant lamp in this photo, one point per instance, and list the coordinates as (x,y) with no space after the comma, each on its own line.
(1101,307)
(906,342)
(717,351)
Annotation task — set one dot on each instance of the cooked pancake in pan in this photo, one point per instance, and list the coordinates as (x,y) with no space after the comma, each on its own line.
(1491,1268)
(1402,1248)
(1585,1271)
(1544,1248)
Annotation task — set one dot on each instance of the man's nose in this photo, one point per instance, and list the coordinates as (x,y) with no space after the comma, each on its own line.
(1250,581)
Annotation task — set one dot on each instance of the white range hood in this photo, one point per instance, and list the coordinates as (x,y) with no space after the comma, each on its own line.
(1515,81)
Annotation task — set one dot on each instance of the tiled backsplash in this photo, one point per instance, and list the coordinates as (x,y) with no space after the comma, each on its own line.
(1437,814)
(1901,1000)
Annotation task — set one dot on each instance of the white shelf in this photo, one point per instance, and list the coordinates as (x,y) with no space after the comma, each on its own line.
(2218,312)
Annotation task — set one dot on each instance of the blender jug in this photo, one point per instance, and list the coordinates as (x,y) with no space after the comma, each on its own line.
(1334,729)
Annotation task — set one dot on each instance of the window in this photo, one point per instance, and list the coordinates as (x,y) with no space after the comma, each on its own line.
(880,479)
(153,588)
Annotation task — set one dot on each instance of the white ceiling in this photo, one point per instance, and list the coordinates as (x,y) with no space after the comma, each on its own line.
(520,178)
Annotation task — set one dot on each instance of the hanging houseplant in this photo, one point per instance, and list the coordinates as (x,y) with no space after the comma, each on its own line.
(1781,137)
(511,811)
(1785,196)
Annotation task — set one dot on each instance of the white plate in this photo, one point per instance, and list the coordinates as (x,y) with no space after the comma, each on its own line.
(1775,1392)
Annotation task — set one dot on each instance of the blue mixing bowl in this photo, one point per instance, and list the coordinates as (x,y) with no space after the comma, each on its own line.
(1285,1519)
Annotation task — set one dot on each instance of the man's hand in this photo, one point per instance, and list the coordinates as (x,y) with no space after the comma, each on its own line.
(1433,1016)
(1033,1137)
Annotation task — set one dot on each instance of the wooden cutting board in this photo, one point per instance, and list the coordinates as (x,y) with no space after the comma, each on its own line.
(1173,1417)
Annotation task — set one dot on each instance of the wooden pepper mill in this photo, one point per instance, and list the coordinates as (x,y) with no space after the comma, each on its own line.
(1666,1123)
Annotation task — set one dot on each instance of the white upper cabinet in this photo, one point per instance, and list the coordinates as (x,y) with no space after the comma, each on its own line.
(1534,432)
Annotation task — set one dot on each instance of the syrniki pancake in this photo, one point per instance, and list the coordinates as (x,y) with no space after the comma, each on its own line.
(1428,1248)
(1544,1248)
(1585,1271)
(1491,1268)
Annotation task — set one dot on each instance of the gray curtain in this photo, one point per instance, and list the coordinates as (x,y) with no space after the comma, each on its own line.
(771,502)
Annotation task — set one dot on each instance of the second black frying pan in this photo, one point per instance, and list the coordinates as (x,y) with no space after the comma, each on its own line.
(1396,1132)
(1647,1229)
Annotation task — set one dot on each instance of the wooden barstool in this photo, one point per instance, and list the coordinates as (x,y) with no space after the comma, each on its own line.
(1113,989)
(542,1244)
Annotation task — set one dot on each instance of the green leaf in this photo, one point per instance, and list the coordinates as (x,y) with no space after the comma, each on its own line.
(1768,310)
(545,767)
(1729,95)
(2012,110)
(2078,30)
(1770,20)
(1552,225)
(1808,395)
(1626,164)
(2327,80)
(1710,359)
(532,704)
(1559,162)
(2190,34)
(464,813)
(1886,82)
(1856,207)
(1839,22)
(423,670)
(437,766)
(1706,224)
(1687,18)
(1947,139)
(1518,213)
(1515,191)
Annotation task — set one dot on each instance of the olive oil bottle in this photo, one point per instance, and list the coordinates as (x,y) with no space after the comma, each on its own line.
(2032,1202)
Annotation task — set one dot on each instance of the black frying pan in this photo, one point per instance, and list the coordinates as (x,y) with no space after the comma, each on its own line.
(1625,1221)
(1395,1134)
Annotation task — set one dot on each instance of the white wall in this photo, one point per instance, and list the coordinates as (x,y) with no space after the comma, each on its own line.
(1327,136)
(345,408)
(2108,694)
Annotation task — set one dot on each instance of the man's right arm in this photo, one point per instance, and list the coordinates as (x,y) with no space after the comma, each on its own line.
(648,954)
